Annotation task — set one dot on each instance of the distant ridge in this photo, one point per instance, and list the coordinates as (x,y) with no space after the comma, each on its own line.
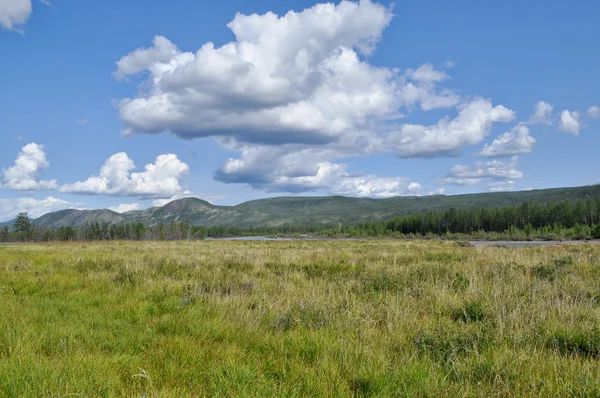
(307,210)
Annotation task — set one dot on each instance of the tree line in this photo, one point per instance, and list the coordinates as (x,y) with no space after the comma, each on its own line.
(575,220)
(24,230)
(579,219)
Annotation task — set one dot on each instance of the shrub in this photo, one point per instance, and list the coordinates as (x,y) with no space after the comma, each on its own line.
(553,270)
(575,342)
(471,311)
(445,343)
(596,232)
(460,283)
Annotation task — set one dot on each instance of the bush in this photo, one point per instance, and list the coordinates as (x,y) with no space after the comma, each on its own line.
(444,344)
(596,232)
(471,311)
(575,342)
(460,283)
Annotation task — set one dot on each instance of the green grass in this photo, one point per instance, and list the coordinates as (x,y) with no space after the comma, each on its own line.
(333,318)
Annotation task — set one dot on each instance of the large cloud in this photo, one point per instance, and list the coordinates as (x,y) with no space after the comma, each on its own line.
(492,171)
(9,208)
(24,175)
(160,179)
(470,127)
(296,97)
(511,143)
(14,13)
(298,78)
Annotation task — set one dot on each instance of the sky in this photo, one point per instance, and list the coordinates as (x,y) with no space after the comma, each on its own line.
(131,104)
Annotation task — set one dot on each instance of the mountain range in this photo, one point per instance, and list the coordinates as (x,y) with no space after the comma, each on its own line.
(307,210)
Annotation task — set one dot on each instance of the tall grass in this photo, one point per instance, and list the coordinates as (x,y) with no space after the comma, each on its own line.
(338,318)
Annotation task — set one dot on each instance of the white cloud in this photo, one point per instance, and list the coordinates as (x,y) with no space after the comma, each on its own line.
(415,188)
(160,179)
(307,170)
(542,114)
(501,186)
(9,208)
(492,171)
(162,202)
(291,79)
(296,96)
(186,194)
(569,122)
(511,143)
(14,13)
(427,73)
(46,2)
(470,127)
(24,175)
(81,122)
(594,112)
(335,179)
(143,58)
(439,191)
(125,207)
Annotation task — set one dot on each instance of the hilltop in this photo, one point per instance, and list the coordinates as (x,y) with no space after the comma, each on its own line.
(308,210)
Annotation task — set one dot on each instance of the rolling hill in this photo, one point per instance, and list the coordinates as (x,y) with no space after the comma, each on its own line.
(308,210)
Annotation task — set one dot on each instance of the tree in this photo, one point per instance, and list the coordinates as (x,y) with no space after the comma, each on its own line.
(66,233)
(23,227)
(4,234)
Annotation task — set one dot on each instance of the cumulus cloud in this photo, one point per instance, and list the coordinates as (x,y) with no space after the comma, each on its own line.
(185,194)
(511,143)
(593,112)
(9,208)
(492,171)
(159,179)
(143,58)
(307,170)
(570,122)
(14,13)
(335,179)
(542,114)
(24,175)
(298,78)
(470,127)
(296,96)
(125,207)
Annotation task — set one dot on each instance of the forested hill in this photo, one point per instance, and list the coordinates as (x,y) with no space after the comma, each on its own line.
(309,210)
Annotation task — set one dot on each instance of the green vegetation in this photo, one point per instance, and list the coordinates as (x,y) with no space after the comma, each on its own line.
(328,210)
(573,220)
(552,221)
(295,318)
(23,228)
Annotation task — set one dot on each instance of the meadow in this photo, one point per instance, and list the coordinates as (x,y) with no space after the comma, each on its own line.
(298,318)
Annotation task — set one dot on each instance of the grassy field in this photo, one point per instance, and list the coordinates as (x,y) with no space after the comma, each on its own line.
(336,318)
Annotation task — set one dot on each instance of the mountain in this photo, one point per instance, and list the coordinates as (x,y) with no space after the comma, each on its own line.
(6,224)
(309,210)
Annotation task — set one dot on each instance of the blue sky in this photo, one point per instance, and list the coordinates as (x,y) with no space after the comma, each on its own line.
(123,104)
